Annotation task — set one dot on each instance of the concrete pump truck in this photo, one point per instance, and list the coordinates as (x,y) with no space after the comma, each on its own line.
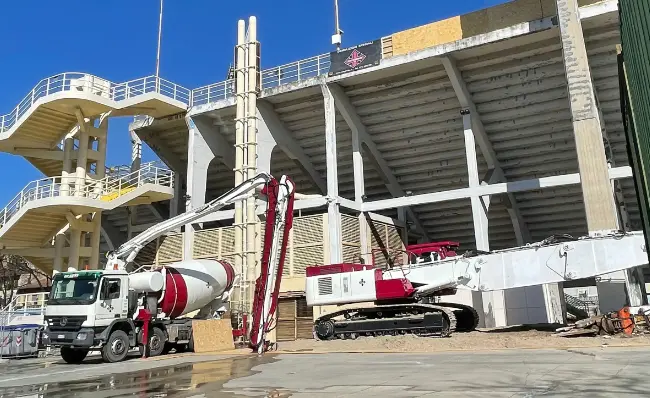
(114,310)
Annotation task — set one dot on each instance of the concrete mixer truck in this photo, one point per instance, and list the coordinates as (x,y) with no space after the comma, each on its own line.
(115,310)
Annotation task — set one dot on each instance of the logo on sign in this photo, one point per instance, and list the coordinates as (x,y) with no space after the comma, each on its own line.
(355,58)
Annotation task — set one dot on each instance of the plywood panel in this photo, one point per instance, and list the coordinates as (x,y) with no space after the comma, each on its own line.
(476,23)
(212,335)
(430,35)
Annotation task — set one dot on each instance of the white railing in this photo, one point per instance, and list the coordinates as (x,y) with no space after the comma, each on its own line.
(213,92)
(296,71)
(24,304)
(74,81)
(272,77)
(109,188)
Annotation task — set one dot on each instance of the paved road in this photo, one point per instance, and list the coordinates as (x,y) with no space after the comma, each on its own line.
(600,372)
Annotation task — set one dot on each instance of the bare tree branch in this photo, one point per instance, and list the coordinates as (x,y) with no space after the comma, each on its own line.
(17,273)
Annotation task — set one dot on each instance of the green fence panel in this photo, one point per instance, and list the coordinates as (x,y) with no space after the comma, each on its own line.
(634,77)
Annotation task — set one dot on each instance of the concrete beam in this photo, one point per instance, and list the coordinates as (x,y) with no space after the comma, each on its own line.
(162,150)
(492,189)
(158,210)
(516,30)
(465,99)
(353,121)
(84,252)
(302,204)
(221,149)
(288,144)
(112,235)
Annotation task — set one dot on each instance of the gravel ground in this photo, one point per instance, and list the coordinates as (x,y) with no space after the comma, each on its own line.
(474,341)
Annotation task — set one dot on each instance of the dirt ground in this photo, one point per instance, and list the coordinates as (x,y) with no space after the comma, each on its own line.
(474,341)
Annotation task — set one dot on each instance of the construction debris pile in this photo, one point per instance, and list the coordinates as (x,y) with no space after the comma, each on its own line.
(627,321)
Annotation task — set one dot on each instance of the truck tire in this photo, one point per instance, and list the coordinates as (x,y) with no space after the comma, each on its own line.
(117,347)
(157,344)
(73,355)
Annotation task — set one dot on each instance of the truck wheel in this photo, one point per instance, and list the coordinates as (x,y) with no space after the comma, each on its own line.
(324,329)
(73,355)
(156,342)
(117,347)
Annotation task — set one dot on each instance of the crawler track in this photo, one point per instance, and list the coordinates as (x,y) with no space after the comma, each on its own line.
(440,319)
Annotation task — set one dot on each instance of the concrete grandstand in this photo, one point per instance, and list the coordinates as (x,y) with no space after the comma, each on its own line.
(458,130)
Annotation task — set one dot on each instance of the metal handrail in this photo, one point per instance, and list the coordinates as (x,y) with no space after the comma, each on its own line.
(70,81)
(273,77)
(116,184)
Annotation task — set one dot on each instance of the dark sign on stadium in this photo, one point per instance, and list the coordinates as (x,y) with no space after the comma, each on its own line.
(355,58)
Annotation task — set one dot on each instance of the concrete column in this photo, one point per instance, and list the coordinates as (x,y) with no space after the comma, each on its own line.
(136,151)
(555,303)
(596,188)
(95,239)
(492,303)
(68,147)
(401,216)
(174,202)
(59,244)
(592,161)
(333,211)
(359,193)
(82,162)
(75,244)
(100,173)
(199,157)
(479,208)
(130,221)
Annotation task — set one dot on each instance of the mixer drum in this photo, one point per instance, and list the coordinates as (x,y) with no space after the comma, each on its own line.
(191,284)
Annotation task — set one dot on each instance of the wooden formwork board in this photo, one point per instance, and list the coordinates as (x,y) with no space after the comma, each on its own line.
(212,335)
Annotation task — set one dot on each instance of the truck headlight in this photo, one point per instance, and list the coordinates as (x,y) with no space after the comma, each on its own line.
(82,336)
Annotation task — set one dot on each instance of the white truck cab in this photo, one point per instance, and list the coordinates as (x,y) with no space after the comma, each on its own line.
(84,308)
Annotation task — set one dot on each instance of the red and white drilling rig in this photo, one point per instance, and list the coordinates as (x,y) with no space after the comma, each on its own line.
(406,298)
(113,310)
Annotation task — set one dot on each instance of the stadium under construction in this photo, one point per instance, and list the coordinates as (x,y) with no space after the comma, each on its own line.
(463,130)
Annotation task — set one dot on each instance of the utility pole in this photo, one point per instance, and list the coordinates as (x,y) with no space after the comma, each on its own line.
(337,36)
(159,38)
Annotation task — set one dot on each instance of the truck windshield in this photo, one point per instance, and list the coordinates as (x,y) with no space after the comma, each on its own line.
(74,288)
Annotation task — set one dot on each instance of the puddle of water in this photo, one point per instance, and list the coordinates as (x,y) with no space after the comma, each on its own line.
(203,379)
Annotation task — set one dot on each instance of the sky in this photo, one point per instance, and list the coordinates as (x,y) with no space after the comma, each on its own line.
(116,40)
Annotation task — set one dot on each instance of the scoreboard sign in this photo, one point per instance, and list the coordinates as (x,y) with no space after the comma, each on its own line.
(355,58)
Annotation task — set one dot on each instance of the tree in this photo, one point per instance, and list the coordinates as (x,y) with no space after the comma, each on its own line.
(17,273)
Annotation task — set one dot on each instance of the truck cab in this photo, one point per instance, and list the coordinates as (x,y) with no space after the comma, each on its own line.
(84,308)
